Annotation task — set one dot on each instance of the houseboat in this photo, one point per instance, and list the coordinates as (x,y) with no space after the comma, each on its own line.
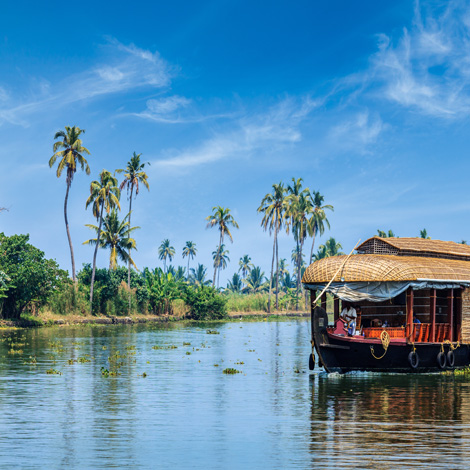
(409,299)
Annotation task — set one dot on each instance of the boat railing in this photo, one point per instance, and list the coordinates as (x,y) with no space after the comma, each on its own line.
(423,332)
(375,332)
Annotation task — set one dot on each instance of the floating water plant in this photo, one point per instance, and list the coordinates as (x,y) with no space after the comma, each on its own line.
(231,371)
(32,361)
(15,351)
(82,360)
(188,353)
(213,332)
(53,372)
(186,344)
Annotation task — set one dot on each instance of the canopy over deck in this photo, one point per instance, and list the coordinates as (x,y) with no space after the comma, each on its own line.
(381,277)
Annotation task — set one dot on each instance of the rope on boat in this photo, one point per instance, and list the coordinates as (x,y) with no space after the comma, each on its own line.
(385,338)
(451,345)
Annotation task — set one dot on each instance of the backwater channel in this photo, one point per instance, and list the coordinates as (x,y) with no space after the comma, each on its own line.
(171,406)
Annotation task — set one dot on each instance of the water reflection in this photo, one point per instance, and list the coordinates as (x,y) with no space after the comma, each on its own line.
(187,414)
(372,420)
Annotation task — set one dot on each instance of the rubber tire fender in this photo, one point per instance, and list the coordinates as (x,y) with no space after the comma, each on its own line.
(441,360)
(311,362)
(451,358)
(413,359)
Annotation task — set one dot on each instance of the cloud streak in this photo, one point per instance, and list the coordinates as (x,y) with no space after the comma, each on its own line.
(277,127)
(125,68)
(428,68)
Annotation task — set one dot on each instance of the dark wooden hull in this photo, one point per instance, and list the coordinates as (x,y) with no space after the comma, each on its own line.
(344,354)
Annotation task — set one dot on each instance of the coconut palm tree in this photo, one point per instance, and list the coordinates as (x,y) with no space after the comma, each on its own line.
(166,251)
(388,234)
(235,284)
(198,276)
(273,207)
(424,234)
(318,219)
(330,248)
(221,259)
(133,175)
(115,236)
(299,208)
(245,265)
(255,282)
(189,251)
(104,195)
(222,219)
(69,152)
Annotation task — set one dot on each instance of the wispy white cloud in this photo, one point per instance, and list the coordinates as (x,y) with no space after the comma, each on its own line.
(428,68)
(279,126)
(123,68)
(359,132)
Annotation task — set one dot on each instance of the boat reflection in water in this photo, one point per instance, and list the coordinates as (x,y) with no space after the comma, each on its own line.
(365,420)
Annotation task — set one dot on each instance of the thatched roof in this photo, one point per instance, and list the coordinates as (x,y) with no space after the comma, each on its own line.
(415,247)
(370,268)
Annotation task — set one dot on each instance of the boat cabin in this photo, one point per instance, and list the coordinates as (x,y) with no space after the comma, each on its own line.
(415,289)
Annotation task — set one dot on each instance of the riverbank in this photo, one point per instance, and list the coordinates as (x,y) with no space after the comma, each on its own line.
(50,319)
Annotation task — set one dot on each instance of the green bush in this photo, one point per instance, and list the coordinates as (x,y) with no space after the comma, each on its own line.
(31,277)
(205,303)
(69,299)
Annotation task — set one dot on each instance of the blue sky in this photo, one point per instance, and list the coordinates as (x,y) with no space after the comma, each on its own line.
(367,101)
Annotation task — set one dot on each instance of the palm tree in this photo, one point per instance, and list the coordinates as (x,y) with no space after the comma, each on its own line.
(245,265)
(132,177)
(166,251)
(221,259)
(222,219)
(317,221)
(330,248)
(69,152)
(299,207)
(383,234)
(235,284)
(463,242)
(273,206)
(198,276)
(424,234)
(115,236)
(104,195)
(255,281)
(189,251)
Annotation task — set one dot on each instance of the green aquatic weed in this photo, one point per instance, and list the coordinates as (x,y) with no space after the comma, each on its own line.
(231,371)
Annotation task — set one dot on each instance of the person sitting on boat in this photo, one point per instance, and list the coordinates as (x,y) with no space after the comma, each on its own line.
(349,315)
(415,320)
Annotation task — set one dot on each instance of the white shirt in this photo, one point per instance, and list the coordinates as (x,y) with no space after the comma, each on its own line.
(349,312)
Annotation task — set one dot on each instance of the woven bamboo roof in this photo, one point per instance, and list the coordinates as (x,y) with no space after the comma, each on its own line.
(383,268)
(415,247)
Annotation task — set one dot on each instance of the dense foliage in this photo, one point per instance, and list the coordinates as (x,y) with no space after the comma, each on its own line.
(28,278)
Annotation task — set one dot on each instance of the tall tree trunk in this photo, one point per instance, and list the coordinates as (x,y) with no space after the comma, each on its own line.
(187,276)
(129,265)
(299,285)
(94,259)
(272,274)
(217,258)
(277,270)
(67,229)
(313,243)
(298,280)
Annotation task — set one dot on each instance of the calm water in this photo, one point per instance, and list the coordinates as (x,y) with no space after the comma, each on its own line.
(187,414)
